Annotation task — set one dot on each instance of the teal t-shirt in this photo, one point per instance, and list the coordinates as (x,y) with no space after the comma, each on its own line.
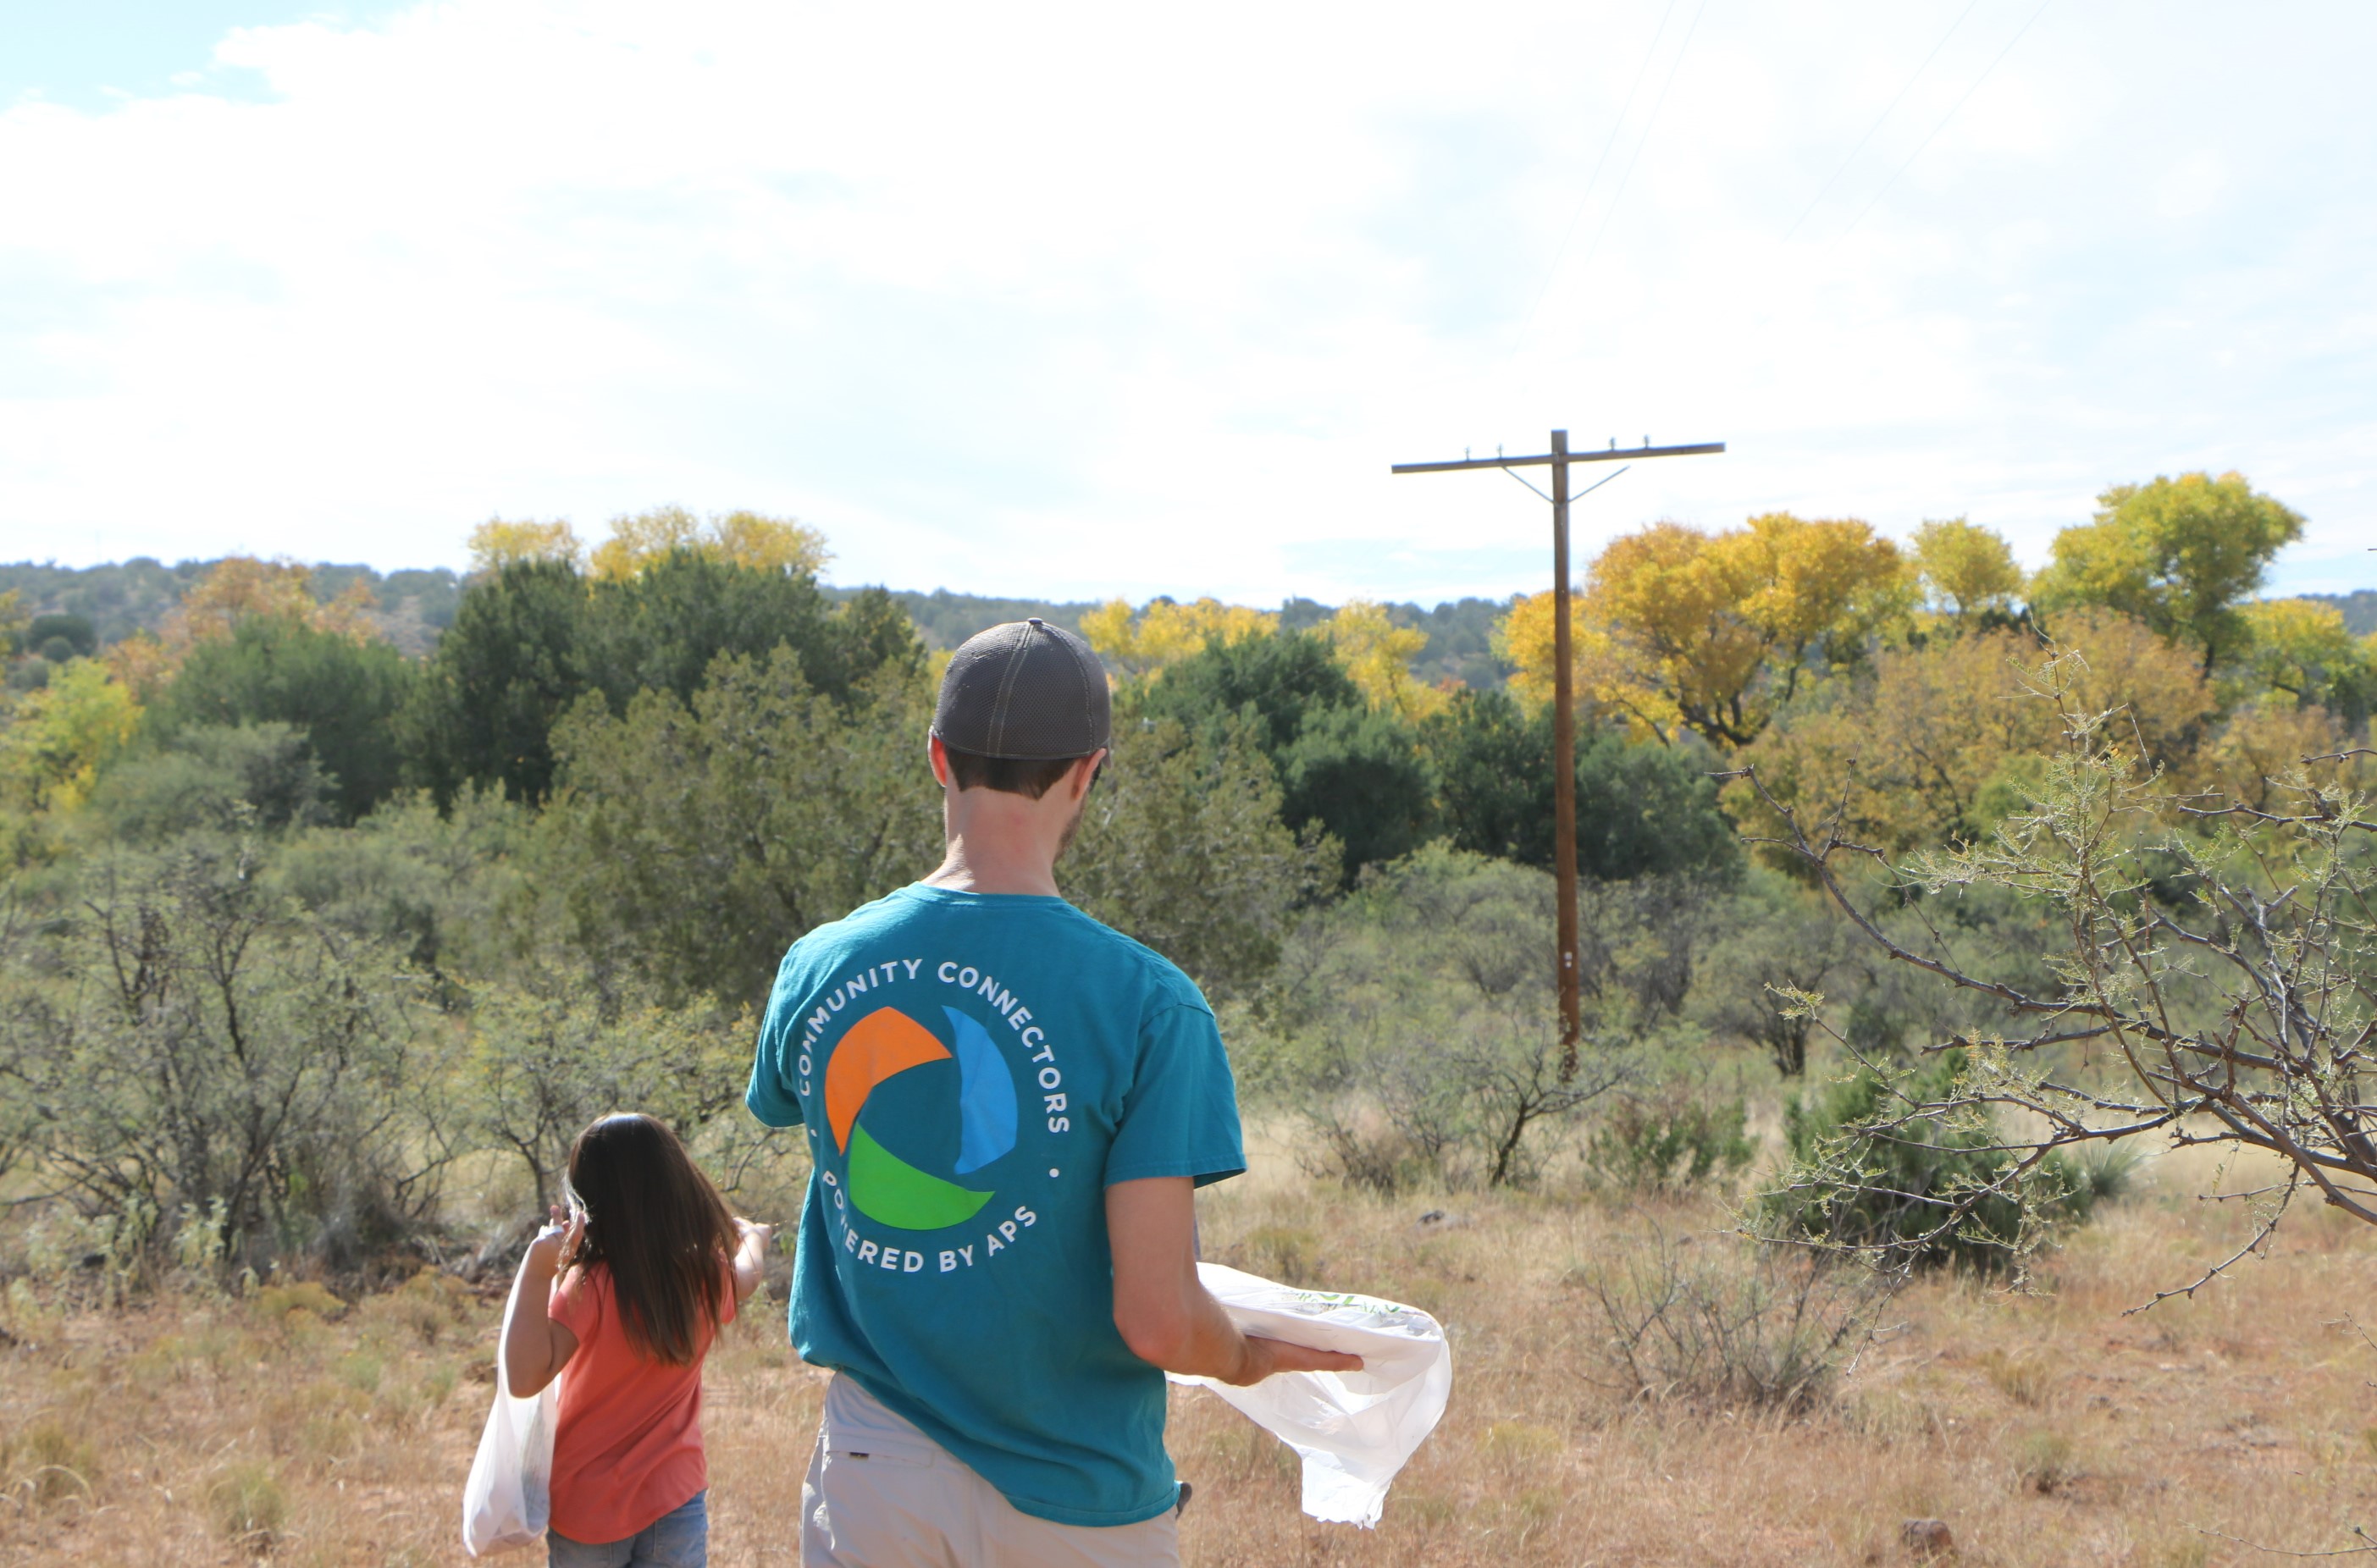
(973,1070)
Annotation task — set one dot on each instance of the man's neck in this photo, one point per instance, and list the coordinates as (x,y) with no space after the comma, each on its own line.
(982,864)
(1000,842)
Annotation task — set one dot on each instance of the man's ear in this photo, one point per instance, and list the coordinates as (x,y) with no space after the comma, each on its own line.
(1085,773)
(937,756)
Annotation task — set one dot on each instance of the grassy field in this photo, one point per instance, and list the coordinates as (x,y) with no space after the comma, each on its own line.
(2041,1429)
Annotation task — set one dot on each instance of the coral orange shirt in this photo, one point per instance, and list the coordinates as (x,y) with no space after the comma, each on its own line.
(627,1445)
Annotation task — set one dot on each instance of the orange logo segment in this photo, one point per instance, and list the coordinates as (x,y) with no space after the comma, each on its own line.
(885,1041)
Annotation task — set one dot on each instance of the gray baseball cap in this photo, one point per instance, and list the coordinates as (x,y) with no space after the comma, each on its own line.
(1026,691)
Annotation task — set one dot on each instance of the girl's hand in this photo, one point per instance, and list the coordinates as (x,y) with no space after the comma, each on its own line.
(559,1238)
(750,1258)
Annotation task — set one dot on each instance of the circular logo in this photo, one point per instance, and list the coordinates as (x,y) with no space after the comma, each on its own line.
(882,1187)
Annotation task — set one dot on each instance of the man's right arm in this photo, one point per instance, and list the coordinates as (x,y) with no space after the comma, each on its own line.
(1164,1312)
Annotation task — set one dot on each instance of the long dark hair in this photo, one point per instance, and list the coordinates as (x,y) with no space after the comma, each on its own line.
(654,1218)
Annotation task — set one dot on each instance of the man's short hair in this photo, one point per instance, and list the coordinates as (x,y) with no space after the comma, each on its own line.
(1008,776)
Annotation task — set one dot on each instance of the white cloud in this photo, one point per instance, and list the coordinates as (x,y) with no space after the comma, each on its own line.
(1078,299)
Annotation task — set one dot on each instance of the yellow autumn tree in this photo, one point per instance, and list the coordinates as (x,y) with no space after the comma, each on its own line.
(1939,742)
(2301,648)
(1522,639)
(742,538)
(1678,629)
(242,587)
(57,737)
(2263,742)
(2181,554)
(1377,655)
(495,544)
(239,588)
(770,544)
(14,619)
(1164,632)
(1965,570)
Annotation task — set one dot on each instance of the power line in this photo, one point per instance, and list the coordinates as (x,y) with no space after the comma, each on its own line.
(1945,118)
(1648,126)
(1826,188)
(1585,199)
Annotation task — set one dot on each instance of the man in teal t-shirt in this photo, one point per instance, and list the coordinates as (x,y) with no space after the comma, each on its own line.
(1008,1106)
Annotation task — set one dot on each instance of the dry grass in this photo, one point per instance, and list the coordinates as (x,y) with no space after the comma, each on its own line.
(2044,1429)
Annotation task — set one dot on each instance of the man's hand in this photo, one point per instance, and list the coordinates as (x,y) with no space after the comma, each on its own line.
(1265,1357)
(1163,1311)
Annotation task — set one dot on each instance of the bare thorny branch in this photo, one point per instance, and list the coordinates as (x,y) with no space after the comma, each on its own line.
(2224,951)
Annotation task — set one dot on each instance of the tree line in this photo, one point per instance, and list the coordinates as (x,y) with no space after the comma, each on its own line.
(302,931)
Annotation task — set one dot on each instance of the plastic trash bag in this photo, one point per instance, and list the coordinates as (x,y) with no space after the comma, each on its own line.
(510,1495)
(1354,1431)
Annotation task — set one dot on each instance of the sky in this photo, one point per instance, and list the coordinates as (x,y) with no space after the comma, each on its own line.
(1075,300)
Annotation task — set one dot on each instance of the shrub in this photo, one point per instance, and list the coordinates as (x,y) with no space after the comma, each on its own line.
(2043,1460)
(205,1054)
(1415,1033)
(1668,1142)
(1719,1323)
(48,1465)
(275,1302)
(1877,1166)
(247,1504)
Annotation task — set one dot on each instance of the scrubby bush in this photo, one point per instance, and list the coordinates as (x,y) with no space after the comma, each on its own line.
(1414,1032)
(1668,1141)
(1895,1160)
(195,1046)
(1719,1323)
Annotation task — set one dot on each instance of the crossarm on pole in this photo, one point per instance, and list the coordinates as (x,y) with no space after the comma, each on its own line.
(1614,455)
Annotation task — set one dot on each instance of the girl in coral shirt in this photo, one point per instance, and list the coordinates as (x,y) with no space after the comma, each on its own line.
(652,1264)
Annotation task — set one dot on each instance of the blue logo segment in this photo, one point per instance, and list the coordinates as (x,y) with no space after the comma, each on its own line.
(986,1107)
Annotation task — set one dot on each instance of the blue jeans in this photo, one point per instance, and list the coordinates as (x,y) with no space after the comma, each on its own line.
(680,1540)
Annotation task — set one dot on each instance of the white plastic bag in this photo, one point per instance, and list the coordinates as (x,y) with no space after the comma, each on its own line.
(1353,1430)
(508,1496)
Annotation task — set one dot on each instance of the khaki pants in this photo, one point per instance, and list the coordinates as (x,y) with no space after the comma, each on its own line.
(881,1494)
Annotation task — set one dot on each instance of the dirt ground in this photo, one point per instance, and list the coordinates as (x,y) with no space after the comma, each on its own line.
(2039,1429)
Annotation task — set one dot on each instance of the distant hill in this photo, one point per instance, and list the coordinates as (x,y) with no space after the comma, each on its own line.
(2359,609)
(1459,633)
(124,596)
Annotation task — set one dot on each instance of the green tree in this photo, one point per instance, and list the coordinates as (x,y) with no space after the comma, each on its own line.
(549,1054)
(345,694)
(1345,769)
(1182,848)
(503,672)
(1358,774)
(1280,679)
(2181,554)
(60,637)
(695,841)
(1641,811)
(531,639)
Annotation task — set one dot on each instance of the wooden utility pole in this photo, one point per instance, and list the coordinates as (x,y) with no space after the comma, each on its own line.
(1572,1003)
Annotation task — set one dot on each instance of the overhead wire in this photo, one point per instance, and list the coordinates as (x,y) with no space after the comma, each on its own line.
(1648,126)
(1584,199)
(1950,114)
(1826,188)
